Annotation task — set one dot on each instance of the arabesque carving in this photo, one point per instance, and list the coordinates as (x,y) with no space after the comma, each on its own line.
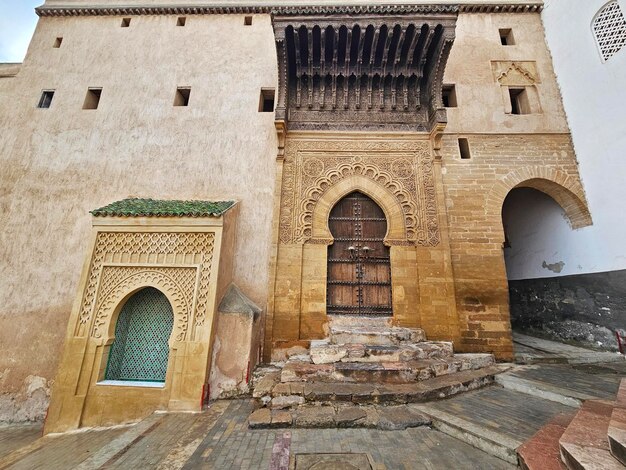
(177,283)
(405,169)
(515,73)
(154,248)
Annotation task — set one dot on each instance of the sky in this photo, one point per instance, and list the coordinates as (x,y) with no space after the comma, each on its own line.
(17,24)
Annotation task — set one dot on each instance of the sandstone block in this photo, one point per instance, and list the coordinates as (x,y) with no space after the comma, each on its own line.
(286,401)
(261,418)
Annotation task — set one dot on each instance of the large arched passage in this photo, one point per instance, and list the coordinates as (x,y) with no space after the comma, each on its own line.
(140,351)
(359,266)
(536,230)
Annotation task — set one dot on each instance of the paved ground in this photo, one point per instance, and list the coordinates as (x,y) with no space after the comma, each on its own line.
(496,419)
(220,439)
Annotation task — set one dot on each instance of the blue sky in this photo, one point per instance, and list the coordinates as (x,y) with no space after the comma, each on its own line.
(17,23)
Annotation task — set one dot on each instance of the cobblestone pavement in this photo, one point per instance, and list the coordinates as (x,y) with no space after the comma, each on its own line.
(220,439)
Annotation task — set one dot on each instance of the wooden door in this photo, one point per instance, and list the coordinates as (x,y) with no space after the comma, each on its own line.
(359,267)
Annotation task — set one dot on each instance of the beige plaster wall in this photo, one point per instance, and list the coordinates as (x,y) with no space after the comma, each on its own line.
(480,103)
(59,163)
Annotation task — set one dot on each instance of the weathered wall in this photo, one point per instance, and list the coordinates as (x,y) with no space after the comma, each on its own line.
(506,151)
(59,163)
(587,308)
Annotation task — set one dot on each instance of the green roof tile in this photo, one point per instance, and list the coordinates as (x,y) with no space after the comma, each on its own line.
(135,207)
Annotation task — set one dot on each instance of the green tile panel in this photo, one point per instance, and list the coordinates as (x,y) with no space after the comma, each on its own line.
(135,207)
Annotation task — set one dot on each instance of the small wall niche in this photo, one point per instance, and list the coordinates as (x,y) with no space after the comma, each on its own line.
(57,42)
(182,96)
(506,37)
(449,96)
(92,99)
(464,149)
(266,100)
(247,21)
(520,103)
(181,21)
(125,23)
(46,99)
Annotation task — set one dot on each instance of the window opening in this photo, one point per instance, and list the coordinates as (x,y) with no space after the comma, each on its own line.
(182,96)
(449,96)
(506,37)
(464,149)
(247,21)
(140,350)
(519,101)
(609,28)
(266,101)
(57,42)
(92,100)
(46,99)
(125,22)
(181,21)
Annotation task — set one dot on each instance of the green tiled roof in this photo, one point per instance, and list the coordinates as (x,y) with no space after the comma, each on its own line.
(135,207)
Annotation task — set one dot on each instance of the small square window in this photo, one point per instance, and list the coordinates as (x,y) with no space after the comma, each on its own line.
(182,96)
(125,22)
(247,21)
(506,37)
(449,96)
(519,101)
(464,149)
(181,21)
(92,100)
(266,101)
(46,99)
(57,42)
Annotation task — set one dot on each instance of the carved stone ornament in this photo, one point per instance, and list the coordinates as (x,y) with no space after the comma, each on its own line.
(404,169)
(123,261)
(371,72)
(515,73)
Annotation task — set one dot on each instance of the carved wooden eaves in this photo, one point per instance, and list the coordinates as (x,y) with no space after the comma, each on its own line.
(366,72)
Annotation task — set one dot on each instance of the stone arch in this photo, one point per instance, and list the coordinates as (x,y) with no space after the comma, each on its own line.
(564,189)
(396,228)
(114,300)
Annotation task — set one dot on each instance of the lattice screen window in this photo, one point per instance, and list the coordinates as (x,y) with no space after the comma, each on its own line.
(140,350)
(609,27)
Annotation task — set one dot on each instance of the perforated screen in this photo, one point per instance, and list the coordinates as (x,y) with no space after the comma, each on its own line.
(610,29)
(140,350)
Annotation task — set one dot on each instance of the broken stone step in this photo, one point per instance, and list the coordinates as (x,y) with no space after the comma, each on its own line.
(373,335)
(361,393)
(541,452)
(322,352)
(383,372)
(584,444)
(342,416)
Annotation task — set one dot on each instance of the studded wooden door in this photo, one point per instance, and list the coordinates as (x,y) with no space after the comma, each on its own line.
(359,267)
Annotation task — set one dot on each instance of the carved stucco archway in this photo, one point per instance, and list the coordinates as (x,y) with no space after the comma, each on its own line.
(114,299)
(566,190)
(396,228)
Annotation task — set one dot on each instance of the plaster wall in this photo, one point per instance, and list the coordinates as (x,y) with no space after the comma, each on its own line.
(594,96)
(61,162)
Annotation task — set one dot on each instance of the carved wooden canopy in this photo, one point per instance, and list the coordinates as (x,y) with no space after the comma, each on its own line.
(365,72)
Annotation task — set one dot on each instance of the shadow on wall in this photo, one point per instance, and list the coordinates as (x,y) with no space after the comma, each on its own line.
(586,308)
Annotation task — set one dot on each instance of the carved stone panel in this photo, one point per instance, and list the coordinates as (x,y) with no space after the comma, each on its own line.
(515,73)
(402,168)
(164,258)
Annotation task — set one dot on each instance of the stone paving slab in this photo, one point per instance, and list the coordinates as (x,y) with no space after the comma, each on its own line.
(15,436)
(573,354)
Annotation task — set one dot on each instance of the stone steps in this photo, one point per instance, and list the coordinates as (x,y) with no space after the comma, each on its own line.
(617,426)
(584,444)
(324,352)
(375,335)
(286,395)
(398,372)
(541,452)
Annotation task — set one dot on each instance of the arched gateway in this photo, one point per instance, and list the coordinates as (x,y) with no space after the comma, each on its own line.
(359,267)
